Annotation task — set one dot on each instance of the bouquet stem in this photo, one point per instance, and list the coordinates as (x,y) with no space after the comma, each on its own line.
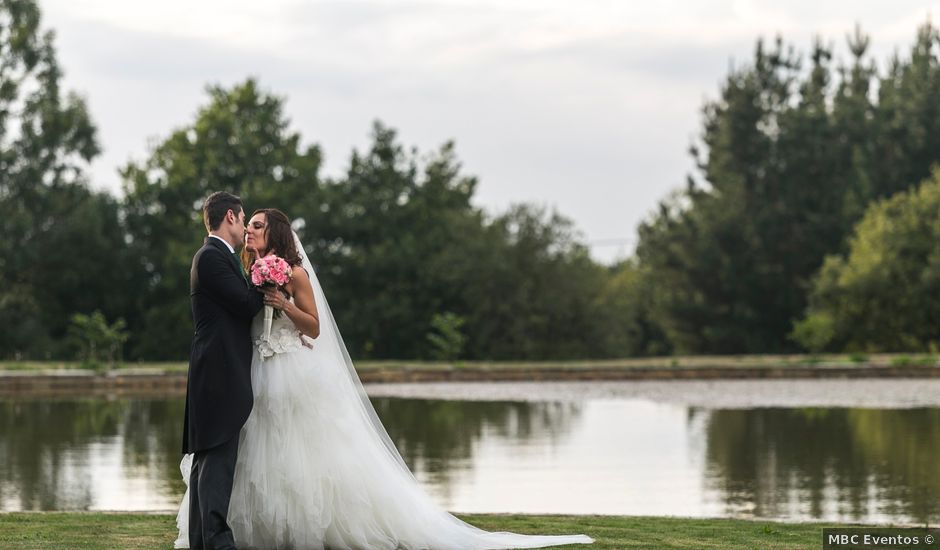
(268,317)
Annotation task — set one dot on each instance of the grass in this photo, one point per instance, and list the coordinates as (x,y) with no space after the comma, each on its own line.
(76,530)
(130,531)
(618,532)
(742,361)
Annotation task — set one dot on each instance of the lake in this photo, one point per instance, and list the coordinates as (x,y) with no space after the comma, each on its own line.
(840,450)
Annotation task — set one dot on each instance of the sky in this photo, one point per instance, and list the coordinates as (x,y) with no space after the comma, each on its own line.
(587,107)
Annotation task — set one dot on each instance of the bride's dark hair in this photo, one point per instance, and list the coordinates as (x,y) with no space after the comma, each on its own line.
(279,237)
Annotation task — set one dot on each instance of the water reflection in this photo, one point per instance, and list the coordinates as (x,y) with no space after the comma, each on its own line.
(439,440)
(614,456)
(846,464)
(124,454)
(89,454)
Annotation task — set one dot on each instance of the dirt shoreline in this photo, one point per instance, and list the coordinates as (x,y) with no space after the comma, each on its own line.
(131,382)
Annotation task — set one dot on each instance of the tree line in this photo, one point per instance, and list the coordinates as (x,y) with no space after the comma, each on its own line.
(808,224)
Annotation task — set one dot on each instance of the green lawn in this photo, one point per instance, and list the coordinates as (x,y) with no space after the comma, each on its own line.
(108,531)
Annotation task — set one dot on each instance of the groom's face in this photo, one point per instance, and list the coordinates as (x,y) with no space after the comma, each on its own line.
(238,225)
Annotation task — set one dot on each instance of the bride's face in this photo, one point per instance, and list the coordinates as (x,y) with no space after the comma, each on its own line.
(255,235)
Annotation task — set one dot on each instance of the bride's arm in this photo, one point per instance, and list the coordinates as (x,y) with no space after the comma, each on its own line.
(303,311)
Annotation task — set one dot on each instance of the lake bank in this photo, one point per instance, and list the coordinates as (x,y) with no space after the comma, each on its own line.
(41,379)
(135,531)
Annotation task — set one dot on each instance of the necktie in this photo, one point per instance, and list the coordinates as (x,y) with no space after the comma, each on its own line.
(240,266)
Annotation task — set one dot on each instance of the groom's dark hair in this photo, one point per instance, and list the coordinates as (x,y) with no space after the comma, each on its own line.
(216,206)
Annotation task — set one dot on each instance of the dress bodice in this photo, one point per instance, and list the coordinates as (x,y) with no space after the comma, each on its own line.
(284,335)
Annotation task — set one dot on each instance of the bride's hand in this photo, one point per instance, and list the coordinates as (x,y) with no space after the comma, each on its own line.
(274,298)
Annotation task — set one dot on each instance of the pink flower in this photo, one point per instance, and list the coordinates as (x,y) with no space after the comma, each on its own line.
(270,270)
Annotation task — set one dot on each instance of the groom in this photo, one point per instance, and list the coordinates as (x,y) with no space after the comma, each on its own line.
(218,390)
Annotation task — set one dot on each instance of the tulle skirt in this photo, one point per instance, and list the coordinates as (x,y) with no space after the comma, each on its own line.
(310,474)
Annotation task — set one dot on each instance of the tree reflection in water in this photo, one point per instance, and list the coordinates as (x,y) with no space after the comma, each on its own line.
(851,464)
(51,451)
(847,464)
(438,438)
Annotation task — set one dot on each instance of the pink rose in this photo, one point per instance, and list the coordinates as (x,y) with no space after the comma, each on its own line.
(270,270)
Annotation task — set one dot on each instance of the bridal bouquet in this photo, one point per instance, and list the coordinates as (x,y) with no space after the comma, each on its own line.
(270,271)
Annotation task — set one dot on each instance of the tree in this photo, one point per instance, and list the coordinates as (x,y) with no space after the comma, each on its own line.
(446,339)
(382,229)
(788,161)
(907,117)
(626,313)
(239,142)
(723,254)
(395,241)
(530,289)
(95,339)
(884,294)
(64,232)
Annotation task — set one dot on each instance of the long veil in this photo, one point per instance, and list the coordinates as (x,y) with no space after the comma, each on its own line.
(331,343)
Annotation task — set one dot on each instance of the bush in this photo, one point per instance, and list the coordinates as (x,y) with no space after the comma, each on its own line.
(814,332)
(447,340)
(884,294)
(97,343)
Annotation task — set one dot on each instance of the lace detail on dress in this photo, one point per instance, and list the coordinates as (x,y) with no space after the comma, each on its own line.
(285,338)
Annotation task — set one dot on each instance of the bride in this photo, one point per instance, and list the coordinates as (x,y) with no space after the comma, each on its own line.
(316,468)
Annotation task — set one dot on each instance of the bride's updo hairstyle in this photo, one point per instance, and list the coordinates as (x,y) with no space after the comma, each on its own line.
(279,237)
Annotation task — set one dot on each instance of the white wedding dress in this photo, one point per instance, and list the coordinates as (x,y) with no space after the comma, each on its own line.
(316,468)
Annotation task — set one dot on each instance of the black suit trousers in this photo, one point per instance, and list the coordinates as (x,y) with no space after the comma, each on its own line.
(210,489)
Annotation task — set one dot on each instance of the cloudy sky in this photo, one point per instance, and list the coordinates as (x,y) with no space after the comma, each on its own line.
(587,106)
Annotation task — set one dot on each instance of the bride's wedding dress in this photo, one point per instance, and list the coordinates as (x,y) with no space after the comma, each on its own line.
(316,468)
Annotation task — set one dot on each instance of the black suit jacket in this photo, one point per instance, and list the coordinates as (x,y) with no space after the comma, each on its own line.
(218,390)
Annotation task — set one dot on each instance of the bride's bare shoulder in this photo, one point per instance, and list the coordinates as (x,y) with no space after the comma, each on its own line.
(299,279)
(299,273)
